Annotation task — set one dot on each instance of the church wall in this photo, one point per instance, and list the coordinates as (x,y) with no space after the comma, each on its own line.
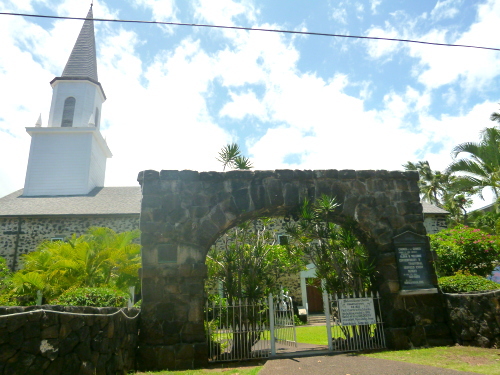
(58,164)
(434,223)
(97,168)
(34,230)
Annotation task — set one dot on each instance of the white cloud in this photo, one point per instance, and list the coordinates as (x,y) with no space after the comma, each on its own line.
(163,10)
(382,48)
(439,66)
(339,15)
(445,9)
(242,105)
(374,4)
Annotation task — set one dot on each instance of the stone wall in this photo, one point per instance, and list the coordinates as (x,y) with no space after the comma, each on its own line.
(22,235)
(474,319)
(184,212)
(67,340)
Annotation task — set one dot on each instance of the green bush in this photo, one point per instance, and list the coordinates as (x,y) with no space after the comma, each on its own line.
(95,297)
(464,249)
(466,283)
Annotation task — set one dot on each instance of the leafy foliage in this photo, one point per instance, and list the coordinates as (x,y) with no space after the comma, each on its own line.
(96,297)
(98,258)
(340,259)
(443,190)
(465,249)
(481,164)
(230,156)
(466,283)
(250,262)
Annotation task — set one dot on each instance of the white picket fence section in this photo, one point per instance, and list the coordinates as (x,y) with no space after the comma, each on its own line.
(246,330)
(237,331)
(354,322)
(282,321)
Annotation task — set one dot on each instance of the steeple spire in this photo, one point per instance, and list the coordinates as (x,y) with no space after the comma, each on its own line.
(82,62)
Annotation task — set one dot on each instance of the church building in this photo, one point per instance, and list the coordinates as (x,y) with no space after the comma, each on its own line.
(64,189)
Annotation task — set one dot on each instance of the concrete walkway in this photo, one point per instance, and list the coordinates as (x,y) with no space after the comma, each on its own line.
(348,364)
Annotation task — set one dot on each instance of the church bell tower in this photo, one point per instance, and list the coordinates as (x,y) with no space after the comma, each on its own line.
(68,157)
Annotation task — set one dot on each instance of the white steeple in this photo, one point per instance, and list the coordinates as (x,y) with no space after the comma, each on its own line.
(68,157)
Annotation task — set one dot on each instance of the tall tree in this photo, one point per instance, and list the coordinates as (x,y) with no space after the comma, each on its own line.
(433,184)
(340,259)
(480,167)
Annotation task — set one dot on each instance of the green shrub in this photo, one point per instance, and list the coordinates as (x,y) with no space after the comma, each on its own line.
(464,249)
(96,297)
(466,283)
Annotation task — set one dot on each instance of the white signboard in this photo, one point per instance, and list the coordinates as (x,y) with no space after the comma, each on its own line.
(356,311)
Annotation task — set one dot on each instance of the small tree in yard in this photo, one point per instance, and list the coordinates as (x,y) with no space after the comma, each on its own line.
(340,259)
(248,263)
(466,250)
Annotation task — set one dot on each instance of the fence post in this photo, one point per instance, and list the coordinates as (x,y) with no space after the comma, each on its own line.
(271,324)
(326,305)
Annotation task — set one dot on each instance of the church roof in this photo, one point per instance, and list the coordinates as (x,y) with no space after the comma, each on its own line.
(82,62)
(431,209)
(100,201)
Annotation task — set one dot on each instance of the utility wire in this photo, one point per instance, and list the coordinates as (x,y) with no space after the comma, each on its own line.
(253,29)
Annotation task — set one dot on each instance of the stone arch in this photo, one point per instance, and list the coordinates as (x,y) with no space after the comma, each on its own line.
(184,212)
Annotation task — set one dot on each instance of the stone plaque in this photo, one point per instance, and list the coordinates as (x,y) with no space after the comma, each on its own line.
(356,311)
(413,264)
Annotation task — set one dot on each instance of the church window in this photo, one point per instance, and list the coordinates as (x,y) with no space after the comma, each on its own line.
(68,112)
(97,118)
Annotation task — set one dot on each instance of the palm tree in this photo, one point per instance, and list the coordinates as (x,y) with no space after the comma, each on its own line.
(481,167)
(433,184)
(230,156)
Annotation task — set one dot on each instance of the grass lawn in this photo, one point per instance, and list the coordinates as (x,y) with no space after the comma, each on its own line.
(461,358)
(235,368)
(312,335)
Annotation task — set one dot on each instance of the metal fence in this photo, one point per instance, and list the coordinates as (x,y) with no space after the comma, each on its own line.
(282,323)
(237,330)
(354,323)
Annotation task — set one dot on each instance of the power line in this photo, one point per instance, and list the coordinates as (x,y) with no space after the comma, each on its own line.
(254,29)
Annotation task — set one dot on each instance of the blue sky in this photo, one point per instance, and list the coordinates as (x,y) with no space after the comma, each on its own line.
(177,94)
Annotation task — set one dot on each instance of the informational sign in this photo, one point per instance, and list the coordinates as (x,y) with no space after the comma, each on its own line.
(413,265)
(356,311)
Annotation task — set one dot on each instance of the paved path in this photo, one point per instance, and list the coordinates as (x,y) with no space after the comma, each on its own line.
(349,364)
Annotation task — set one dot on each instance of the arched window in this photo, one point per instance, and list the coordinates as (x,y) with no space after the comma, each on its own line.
(68,112)
(97,118)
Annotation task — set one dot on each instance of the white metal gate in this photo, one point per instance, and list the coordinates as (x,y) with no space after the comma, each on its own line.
(247,330)
(353,323)
(282,321)
(237,330)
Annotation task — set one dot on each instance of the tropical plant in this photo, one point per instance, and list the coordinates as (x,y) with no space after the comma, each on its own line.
(248,261)
(247,264)
(465,249)
(340,259)
(481,167)
(433,184)
(101,257)
(444,190)
(230,156)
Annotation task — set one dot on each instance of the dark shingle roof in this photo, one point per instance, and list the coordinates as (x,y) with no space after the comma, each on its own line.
(82,62)
(100,201)
(431,209)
